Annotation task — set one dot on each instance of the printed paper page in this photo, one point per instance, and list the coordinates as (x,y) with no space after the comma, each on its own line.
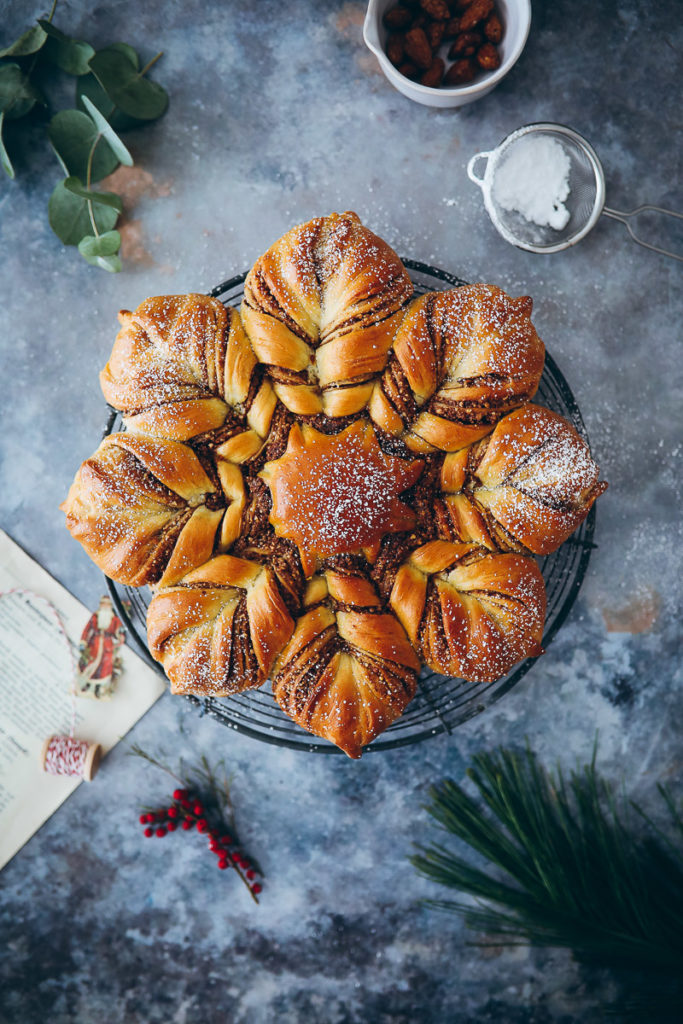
(35,702)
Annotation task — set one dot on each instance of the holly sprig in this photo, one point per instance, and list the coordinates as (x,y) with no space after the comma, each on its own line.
(202,803)
(113,94)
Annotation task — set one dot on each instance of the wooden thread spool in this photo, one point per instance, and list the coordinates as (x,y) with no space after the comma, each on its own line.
(64,755)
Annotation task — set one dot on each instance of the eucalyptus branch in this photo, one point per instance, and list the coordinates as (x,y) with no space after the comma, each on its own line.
(110,89)
(152,62)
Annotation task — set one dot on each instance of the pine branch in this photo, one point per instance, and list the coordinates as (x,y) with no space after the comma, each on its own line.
(572,871)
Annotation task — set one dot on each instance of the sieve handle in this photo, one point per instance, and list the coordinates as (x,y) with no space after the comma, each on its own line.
(625,218)
(470,167)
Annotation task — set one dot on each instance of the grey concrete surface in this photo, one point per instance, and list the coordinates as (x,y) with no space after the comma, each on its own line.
(279,113)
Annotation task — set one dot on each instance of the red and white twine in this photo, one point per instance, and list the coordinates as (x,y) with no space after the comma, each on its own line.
(64,755)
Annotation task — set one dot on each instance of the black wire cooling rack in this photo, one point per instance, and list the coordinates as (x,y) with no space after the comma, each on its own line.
(441,702)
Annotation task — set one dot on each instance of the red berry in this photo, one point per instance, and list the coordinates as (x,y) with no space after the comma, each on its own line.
(202,825)
(171,827)
(179,794)
(161,831)
(251,874)
(149,832)
(143,819)
(185,804)
(235,858)
(187,825)
(198,809)
(256,889)
(173,812)
(222,865)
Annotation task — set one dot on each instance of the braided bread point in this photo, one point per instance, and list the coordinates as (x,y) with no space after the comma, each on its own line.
(469,613)
(526,487)
(321,307)
(181,367)
(461,359)
(348,671)
(145,508)
(220,628)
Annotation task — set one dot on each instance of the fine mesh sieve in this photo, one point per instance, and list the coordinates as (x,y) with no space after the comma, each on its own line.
(585,202)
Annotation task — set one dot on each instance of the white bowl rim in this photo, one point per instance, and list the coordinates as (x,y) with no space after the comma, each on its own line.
(372,21)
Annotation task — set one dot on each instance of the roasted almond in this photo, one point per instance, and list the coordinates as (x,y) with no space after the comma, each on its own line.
(477,11)
(433,75)
(417,48)
(409,70)
(461,72)
(395,48)
(434,32)
(466,45)
(397,17)
(493,29)
(488,57)
(437,9)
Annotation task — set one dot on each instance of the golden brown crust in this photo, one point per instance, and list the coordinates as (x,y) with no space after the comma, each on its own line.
(469,613)
(338,494)
(141,507)
(219,629)
(461,360)
(321,307)
(530,484)
(348,670)
(182,366)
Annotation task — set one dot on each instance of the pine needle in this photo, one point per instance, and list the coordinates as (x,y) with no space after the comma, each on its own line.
(569,867)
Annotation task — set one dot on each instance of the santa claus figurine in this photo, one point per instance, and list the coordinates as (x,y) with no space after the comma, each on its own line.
(99,663)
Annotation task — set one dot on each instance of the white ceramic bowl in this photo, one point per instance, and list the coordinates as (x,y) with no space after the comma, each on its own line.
(516,18)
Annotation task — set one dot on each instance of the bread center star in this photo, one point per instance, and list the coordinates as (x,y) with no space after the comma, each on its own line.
(339,493)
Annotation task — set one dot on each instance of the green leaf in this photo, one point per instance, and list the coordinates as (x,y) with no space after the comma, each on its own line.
(87,85)
(4,155)
(17,93)
(76,186)
(102,251)
(108,132)
(70,218)
(31,41)
(73,135)
(127,51)
(126,87)
(71,55)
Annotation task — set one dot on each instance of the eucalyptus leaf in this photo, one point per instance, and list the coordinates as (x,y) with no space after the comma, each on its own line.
(17,93)
(127,51)
(30,42)
(87,85)
(75,185)
(70,218)
(126,87)
(102,251)
(73,135)
(108,132)
(4,155)
(71,55)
